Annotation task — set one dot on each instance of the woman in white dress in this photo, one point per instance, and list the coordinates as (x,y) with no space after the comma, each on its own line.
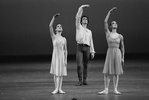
(59,55)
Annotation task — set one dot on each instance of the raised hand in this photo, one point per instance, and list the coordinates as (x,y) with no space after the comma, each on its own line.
(56,15)
(114,8)
(86,5)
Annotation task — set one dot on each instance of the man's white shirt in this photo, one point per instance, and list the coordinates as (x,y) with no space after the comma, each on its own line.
(84,36)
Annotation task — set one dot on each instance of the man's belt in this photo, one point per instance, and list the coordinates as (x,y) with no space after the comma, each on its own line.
(83,45)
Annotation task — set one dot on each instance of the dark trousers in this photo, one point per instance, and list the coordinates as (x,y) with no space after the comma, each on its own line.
(82,58)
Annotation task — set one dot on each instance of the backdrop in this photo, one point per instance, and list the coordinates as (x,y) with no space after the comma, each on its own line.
(24,24)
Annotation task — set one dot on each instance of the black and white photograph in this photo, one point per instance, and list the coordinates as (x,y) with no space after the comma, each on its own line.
(74,49)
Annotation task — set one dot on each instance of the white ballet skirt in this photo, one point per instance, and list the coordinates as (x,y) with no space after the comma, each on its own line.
(58,66)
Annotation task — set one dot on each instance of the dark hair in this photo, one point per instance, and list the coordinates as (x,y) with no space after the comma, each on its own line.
(86,17)
(74,99)
(111,23)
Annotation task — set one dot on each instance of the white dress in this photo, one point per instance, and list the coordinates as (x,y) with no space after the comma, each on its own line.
(58,66)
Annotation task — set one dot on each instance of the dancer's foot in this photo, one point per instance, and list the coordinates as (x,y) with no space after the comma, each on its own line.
(61,91)
(103,92)
(55,91)
(117,92)
(85,83)
(79,83)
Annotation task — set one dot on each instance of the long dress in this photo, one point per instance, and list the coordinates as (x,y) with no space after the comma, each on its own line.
(58,66)
(113,63)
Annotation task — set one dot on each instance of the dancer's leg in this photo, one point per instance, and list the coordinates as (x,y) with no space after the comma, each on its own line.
(115,82)
(60,85)
(79,59)
(56,81)
(106,83)
(86,55)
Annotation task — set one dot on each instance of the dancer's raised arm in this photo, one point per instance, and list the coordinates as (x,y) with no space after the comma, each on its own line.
(106,20)
(51,24)
(79,14)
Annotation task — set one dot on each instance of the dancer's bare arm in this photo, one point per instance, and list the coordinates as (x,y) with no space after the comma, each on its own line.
(51,24)
(106,21)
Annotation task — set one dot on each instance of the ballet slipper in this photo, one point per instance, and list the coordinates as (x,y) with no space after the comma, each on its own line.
(103,92)
(117,92)
(55,91)
(61,91)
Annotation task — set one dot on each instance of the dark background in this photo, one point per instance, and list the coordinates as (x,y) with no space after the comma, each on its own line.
(24,24)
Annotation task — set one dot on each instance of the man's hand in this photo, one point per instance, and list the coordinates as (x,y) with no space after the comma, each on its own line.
(85,6)
(92,55)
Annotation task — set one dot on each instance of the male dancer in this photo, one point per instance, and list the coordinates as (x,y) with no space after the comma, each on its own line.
(84,45)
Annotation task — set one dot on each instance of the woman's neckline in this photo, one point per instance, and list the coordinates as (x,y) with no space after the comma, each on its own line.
(114,37)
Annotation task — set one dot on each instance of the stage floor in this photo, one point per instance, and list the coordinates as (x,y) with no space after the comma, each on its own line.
(31,81)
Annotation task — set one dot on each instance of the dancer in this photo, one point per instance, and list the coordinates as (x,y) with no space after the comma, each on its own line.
(59,56)
(115,56)
(84,45)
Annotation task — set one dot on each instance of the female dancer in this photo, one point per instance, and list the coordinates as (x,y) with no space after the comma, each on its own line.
(59,56)
(115,56)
